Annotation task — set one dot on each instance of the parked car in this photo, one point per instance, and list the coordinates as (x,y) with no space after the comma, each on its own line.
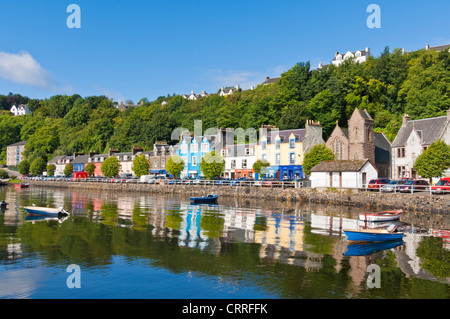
(441,187)
(375,184)
(393,185)
(414,186)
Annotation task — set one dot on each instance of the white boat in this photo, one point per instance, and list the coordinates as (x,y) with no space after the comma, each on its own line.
(381,216)
(46,211)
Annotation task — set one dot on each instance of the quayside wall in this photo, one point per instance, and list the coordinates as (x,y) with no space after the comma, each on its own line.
(423,204)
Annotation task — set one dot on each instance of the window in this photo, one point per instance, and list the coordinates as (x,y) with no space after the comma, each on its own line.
(401,171)
(205,147)
(292,143)
(244,163)
(263,145)
(292,158)
(194,148)
(194,160)
(277,144)
(277,159)
(264,157)
(248,151)
(401,152)
(224,152)
(184,148)
(233,163)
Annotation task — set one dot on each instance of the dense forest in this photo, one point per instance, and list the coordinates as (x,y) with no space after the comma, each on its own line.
(388,86)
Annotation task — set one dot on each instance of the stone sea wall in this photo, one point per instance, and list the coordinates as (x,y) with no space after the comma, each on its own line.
(421,203)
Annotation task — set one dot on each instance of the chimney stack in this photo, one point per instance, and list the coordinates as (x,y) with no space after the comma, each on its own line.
(405,119)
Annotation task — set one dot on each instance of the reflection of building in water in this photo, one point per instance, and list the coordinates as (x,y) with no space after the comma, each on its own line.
(328,225)
(239,225)
(282,239)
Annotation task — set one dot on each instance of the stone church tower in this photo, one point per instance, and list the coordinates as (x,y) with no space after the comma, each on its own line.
(361,136)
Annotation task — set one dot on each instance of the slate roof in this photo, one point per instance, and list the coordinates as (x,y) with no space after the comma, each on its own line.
(430,130)
(284,135)
(340,166)
(18,144)
(270,80)
(81,159)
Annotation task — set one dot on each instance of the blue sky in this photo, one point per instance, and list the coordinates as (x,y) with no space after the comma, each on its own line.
(136,48)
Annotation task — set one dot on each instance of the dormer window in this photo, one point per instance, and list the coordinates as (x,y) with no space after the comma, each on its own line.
(205,147)
(194,148)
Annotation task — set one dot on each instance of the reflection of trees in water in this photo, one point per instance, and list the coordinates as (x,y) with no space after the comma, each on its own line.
(434,257)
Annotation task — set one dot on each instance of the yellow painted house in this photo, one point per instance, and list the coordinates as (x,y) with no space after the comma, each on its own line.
(285,150)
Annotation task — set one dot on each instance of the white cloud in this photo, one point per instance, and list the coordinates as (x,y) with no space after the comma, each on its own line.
(23,68)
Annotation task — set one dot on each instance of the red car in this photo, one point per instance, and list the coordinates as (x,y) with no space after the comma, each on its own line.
(377,183)
(441,187)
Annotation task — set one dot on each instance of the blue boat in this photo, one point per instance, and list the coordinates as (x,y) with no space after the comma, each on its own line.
(372,235)
(365,249)
(46,211)
(205,199)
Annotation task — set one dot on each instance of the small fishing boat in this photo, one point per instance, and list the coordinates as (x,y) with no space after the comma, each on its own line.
(373,235)
(46,211)
(205,199)
(381,216)
(19,186)
(365,249)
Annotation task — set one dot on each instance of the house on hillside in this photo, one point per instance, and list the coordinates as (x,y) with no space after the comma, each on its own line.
(228,90)
(343,173)
(413,138)
(270,80)
(360,56)
(21,109)
(359,141)
(194,96)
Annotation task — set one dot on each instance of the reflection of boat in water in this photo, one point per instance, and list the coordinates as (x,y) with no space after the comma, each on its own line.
(373,235)
(35,218)
(46,211)
(360,249)
(381,216)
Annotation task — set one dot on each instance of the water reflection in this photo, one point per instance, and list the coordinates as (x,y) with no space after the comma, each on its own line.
(288,252)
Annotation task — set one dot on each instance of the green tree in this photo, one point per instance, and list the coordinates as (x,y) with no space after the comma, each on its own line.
(3,174)
(24,167)
(38,166)
(434,160)
(175,165)
(140,165)
(68,170)
(317,154)
(260,166)
(212,165)
(51,168)
(90,168)
(111,167)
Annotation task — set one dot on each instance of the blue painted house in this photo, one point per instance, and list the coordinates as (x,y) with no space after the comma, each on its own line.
(191,150)
(79,163)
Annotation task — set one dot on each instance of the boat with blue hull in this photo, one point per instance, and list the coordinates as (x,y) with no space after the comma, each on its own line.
(205,199)
(372,235)
(366,249)
(46,211)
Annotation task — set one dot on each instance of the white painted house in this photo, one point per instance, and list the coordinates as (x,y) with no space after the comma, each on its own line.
(358,56)
(239,160)
(413,138)
(349,173)
(21,109)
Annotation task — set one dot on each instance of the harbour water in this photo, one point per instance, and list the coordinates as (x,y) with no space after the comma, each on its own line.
(137,245)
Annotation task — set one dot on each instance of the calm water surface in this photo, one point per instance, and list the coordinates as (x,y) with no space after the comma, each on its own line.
(135,245)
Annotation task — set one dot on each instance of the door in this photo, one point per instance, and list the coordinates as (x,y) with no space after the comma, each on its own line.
(364,179)
(340,179)
(331,179)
